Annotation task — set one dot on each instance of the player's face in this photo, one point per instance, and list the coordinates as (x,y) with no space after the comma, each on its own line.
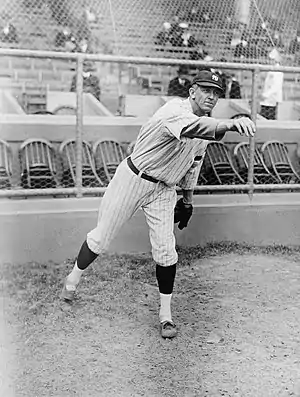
(206,98)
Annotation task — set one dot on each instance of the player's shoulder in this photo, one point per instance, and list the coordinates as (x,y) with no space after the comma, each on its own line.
(175,105)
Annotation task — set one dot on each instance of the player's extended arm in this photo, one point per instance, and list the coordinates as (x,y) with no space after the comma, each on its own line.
(211,129)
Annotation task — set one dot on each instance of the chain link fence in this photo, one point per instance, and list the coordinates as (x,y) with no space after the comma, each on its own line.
(224,36)
(76,166)
(243,31)
(239,30)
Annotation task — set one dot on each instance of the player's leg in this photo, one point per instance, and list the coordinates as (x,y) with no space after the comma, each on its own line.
(160,218)
(119,203)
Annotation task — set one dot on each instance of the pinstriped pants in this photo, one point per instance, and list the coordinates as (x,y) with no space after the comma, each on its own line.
(125,194)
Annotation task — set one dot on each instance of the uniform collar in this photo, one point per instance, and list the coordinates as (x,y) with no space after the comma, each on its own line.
(187,104)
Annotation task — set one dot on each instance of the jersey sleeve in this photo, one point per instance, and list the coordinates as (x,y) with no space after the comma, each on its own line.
(189,125)
(201,128)
(175,123)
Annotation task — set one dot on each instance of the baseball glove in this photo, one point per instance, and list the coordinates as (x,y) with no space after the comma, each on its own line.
(182,213)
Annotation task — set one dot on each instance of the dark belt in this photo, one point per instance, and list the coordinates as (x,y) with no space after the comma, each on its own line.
(136,171)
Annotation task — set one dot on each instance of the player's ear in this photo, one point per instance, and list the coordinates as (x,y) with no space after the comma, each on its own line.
(192,92)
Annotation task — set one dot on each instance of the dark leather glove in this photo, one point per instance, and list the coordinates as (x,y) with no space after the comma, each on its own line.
(182,213)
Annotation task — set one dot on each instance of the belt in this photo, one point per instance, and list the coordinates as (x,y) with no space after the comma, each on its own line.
(136,171)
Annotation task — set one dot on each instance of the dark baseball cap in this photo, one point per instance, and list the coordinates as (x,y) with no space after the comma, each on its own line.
(206,78)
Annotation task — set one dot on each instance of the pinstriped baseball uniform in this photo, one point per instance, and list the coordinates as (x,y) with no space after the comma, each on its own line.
(170,148)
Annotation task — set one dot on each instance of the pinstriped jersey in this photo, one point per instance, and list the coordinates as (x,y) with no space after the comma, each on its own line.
(171,145)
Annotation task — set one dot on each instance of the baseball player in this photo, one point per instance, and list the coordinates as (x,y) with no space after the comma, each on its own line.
(169,151)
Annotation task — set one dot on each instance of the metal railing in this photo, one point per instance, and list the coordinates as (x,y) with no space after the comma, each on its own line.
(250,187)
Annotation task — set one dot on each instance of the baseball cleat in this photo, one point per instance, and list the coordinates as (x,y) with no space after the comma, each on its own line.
(168,329)
(68,292)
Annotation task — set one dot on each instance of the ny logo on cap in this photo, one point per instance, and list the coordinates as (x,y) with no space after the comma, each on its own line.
(214,77)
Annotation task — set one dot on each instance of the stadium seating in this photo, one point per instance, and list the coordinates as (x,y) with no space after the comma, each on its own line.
(276,158)
(45,165)
(261,173)
(108,154)
(5,165)
(90,177)
(218,167)
(65,110)
(38,164)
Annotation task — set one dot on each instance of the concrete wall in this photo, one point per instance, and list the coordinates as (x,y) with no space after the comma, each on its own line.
(9,104)
(288,110)
(91,106)
(15,129)
(53,229)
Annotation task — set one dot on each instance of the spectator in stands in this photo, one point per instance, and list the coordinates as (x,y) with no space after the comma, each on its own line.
(176,32)
(180,85)
(200,52)
(62,37)
(205,16)
(188,40)
(273,89)
(294,46)
(193,15)
(83,45)
(183,37)
(9,34)
(163,37)
(91,83)
(90,15)
(233,87)
(277,38)
(241,49)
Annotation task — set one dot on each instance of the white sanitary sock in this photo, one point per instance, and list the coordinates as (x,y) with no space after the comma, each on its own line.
(74,277)
(165,307)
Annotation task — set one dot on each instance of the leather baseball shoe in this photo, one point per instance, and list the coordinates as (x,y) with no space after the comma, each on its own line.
(168,329)
(68,292)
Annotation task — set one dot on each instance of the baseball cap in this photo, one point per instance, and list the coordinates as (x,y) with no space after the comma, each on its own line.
(207,78)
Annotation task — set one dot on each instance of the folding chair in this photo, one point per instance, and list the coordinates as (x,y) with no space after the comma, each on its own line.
(108,154)
(5,165)
(43,112)
(218,166)
(261,173)
(67,151)
(276,158)
(65,110)
(38,164)
(239,115)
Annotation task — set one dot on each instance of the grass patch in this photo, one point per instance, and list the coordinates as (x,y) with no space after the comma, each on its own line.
(110,335)
(36,282)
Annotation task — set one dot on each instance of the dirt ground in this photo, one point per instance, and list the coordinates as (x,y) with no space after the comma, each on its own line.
(237,310)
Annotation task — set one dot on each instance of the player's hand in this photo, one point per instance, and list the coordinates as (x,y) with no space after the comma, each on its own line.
(182,213)
(244,126)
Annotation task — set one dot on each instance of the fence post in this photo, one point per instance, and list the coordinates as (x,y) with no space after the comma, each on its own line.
(254,109)
(79,125)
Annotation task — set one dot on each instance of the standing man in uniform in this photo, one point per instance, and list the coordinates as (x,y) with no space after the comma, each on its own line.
(169,151)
